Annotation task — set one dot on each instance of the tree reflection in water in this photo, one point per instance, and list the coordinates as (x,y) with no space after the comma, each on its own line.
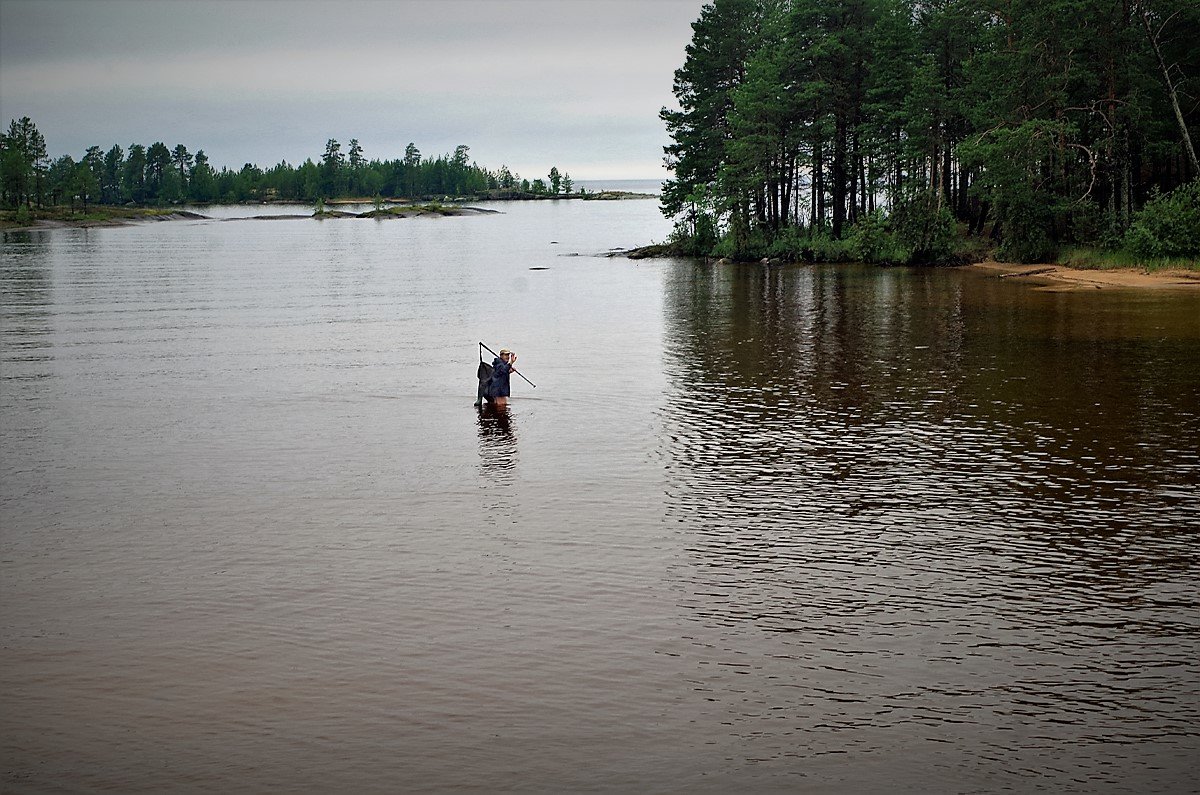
(901,492)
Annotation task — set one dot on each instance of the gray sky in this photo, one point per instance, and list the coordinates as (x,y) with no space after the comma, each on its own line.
(527,83)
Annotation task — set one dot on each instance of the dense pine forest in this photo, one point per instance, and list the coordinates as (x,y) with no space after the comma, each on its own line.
(158,175)
(903,131)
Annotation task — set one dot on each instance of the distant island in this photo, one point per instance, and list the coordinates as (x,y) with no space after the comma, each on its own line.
(52,216)
(118,185)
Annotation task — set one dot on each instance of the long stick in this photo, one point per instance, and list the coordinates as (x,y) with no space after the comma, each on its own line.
(515,370)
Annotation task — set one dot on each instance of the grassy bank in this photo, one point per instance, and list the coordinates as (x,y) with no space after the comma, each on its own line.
(1101,259)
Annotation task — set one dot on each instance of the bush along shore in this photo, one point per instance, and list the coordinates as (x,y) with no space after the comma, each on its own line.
(1163,235)
(918,230)
(1155,252)
(1081,270)
(903,132)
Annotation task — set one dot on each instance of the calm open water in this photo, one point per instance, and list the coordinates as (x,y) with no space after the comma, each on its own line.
(798,529)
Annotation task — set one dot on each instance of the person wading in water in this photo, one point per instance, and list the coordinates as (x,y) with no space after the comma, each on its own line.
(498,387)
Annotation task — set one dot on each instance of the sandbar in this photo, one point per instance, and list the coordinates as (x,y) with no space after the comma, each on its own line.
(1059,278)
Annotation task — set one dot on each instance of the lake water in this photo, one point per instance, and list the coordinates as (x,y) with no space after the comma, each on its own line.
(797,529)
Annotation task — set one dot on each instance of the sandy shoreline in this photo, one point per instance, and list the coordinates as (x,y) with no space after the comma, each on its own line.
(1057,278)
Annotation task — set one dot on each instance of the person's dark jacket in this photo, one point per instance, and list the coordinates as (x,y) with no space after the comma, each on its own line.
(500,378)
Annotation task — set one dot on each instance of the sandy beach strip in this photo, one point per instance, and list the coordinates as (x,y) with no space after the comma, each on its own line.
(1058,278)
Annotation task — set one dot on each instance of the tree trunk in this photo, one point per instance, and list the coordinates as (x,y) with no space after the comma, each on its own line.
(789,173)
(839,176)
(964,206)
(818,185)
(934,160)
(947,175)
(1125,177)
(863,190)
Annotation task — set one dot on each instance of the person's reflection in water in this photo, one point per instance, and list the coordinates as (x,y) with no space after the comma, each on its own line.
(497,453)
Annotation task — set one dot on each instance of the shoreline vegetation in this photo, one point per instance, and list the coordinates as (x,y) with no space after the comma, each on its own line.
(1083,270)
(899,132)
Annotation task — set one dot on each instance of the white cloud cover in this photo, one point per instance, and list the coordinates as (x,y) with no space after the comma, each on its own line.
(532,83)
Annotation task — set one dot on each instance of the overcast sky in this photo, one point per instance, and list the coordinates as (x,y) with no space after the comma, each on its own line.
(531,84)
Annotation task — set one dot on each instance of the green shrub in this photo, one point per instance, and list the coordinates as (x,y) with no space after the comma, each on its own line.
(788,244)
(753,245)
(871,241)
(23,216)
(1168,226)
(1026,223)
(923,229)
(725,248)
(971,249)
(694,237)
(1009,158)
(823,248)
(1031,245)
(798,244)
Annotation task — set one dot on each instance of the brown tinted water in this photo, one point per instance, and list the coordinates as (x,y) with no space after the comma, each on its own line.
(806,528)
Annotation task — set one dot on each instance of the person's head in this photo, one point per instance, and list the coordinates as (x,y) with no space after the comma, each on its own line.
(505,354)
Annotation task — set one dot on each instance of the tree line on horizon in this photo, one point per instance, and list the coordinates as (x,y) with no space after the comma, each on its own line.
(885,130)
(157,175)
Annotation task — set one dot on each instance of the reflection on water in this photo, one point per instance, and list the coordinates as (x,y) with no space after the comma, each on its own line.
(497,442)
(923,509)
(787,529)
(27,293)
(497,464)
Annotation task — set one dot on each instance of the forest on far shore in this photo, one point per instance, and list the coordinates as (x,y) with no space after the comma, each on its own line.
(156,175)
(906,131)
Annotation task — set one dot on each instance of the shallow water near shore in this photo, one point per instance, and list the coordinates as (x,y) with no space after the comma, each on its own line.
(810,528)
